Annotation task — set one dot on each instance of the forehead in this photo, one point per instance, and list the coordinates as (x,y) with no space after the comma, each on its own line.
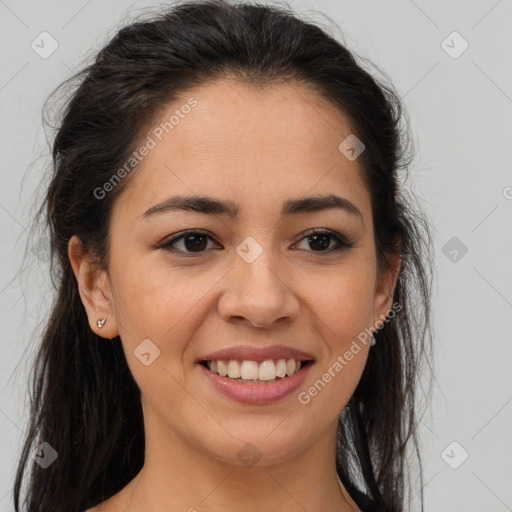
(241,121)
(227,138)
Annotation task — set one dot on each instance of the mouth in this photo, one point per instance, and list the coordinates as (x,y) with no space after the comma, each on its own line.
(255,382)
(249,371)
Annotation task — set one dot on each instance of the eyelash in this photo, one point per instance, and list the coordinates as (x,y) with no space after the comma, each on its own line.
(343,243)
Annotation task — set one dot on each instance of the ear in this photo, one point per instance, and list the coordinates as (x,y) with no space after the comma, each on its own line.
(94,289)
(385,287)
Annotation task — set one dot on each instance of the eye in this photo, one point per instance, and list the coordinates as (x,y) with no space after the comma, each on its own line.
(193,241)
(320,241)
(196,242)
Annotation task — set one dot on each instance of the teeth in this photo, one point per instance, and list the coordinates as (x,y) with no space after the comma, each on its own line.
(290,366)
(281,368)
(246,370)
(249,370)
(222,369)
(233,369)
(267,370)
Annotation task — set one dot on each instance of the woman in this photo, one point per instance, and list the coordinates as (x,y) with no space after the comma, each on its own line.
(243,294)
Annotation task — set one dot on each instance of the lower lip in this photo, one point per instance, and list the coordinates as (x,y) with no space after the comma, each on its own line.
(257,393)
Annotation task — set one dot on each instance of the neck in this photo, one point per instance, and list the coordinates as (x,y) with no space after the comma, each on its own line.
(177,476)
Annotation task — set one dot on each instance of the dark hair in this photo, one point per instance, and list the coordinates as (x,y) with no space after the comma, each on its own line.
(84,400)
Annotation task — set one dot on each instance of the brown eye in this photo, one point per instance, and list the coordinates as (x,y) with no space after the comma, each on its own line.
(320,241)
(195,243)
(188,243)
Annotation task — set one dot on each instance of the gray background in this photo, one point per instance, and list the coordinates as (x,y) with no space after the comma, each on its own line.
(460,111)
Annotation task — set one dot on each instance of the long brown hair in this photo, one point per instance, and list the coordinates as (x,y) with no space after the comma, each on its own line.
(84,400)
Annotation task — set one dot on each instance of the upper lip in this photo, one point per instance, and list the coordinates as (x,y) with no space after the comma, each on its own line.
(252,353)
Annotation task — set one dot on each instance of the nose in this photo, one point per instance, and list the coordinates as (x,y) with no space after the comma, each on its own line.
(259,293)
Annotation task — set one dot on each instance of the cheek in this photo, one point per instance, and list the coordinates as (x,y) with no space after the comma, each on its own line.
(152,300)
(163,307)
(342,308)
(341,314)
(160,318)
(344,305)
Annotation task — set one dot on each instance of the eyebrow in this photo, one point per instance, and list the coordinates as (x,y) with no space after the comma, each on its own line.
(210,205)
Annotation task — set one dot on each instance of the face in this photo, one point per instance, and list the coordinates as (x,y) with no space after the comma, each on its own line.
(277,270)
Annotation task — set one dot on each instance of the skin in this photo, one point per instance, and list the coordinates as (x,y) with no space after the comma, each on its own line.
(258,147)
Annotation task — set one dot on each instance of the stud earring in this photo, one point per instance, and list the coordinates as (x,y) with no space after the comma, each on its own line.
(373,342)
(101,322)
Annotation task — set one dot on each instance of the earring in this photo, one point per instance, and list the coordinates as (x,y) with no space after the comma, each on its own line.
(101,322)
(373,342)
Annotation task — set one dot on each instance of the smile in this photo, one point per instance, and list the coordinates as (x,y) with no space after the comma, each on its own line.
(276,379)
(254,372)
